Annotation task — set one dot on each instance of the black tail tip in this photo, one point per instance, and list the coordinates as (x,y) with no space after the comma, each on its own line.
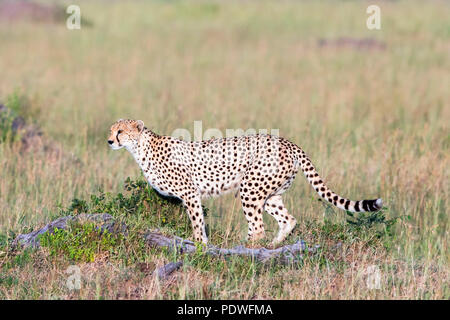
(373,205)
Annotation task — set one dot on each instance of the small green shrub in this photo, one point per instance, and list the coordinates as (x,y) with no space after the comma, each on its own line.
(7,281)
(140,205)
(6,119)
(377,221)
(80,242)
(16,106)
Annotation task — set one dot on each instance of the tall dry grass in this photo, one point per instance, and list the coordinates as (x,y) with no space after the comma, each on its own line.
(375,123)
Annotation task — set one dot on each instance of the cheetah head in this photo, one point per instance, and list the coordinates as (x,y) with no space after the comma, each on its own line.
(125,133)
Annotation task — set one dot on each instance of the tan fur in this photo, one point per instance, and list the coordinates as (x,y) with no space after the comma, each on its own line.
(259,167)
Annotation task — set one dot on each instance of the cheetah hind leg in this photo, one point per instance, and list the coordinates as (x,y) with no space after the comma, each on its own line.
(286,223)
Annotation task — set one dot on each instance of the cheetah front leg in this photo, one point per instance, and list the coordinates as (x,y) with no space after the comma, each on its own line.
(194,209)
(253,204)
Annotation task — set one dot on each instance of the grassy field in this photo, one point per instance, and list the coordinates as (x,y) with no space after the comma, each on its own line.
(374,120)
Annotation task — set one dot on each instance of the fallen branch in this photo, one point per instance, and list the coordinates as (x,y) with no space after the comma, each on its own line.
(165,271)
(106,223)
(285,254)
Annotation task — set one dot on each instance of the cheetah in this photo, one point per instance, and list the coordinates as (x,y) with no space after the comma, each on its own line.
(259,167)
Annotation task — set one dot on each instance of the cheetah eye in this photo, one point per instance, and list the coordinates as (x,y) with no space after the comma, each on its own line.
(119,132)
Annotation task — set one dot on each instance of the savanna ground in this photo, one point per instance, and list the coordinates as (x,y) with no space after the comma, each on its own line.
(373,119)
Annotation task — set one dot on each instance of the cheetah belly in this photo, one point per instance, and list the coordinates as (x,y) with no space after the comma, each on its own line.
(160,191)
(218,185)
(158,185)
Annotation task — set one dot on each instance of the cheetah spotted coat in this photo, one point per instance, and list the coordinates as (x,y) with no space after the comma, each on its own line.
(260,167)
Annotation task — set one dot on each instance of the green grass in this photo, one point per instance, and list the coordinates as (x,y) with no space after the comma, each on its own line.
(374,122)
(80,243)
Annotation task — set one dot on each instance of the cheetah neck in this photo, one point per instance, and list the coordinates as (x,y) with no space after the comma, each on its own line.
(142,148)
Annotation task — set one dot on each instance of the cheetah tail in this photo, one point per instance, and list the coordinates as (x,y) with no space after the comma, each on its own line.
(325,193)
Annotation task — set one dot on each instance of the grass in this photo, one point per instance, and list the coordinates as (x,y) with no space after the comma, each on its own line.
(81,243)
(374,123)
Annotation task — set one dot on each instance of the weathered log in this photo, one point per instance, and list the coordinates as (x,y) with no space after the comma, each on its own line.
(106,223)
(165,271)
(284,254)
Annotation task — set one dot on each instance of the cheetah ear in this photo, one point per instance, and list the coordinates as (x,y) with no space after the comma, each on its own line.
(140,125)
